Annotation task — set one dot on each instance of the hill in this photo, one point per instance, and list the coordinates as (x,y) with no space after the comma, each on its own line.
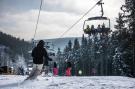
(15,45)
(20,46)
(61,42)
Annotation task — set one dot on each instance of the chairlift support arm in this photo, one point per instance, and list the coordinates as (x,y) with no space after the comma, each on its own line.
(101,4)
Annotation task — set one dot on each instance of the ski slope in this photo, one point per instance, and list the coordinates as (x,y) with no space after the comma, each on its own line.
(92,82)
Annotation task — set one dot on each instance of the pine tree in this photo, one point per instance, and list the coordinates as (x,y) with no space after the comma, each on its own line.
(125,38)
(76,44)
(60,60)
(69,45)
(120,22)
(130,5)
(83,41)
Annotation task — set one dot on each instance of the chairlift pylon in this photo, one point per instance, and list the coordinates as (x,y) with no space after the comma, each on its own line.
(91,30)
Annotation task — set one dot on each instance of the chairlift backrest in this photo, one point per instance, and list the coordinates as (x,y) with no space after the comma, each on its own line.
(98,18)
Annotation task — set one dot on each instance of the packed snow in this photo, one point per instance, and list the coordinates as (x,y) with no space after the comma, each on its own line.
(92,82)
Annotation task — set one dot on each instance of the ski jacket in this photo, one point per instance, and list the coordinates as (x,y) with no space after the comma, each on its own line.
(69,64)
(40,55)
(68,72)
(55,71)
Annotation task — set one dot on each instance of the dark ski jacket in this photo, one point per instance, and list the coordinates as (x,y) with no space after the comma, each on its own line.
(40,55)
(68,65)
(54,65)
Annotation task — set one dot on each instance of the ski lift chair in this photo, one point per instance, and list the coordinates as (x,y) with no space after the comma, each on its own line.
(98,18)
(106,30)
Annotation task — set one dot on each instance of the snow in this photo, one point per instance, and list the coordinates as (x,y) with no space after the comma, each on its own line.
(92,82)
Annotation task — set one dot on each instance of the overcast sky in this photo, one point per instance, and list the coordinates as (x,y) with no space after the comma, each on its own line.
(18,17)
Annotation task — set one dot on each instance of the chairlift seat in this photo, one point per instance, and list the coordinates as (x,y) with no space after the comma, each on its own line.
(98,18)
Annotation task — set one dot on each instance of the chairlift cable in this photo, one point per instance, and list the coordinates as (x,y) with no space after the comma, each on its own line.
(38,19)
(80,19)
(71,25)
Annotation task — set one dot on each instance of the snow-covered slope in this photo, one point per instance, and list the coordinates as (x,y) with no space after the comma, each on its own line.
(93,82)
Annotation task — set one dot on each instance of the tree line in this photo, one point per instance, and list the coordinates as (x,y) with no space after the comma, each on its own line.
(16,46)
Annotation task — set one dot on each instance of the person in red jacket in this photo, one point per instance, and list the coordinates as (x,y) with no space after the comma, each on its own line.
(68,69)
(55,69)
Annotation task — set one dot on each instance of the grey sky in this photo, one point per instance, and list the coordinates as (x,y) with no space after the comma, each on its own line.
(18,17)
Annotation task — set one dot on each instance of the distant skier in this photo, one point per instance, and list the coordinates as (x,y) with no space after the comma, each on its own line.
(68,69)
(21,71)
(55,69)
(39,55)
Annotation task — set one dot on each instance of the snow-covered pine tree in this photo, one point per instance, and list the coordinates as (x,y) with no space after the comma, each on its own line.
(125,30)
(69,45)
(84,59)
(120,67)
(130,6)
(60,61)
